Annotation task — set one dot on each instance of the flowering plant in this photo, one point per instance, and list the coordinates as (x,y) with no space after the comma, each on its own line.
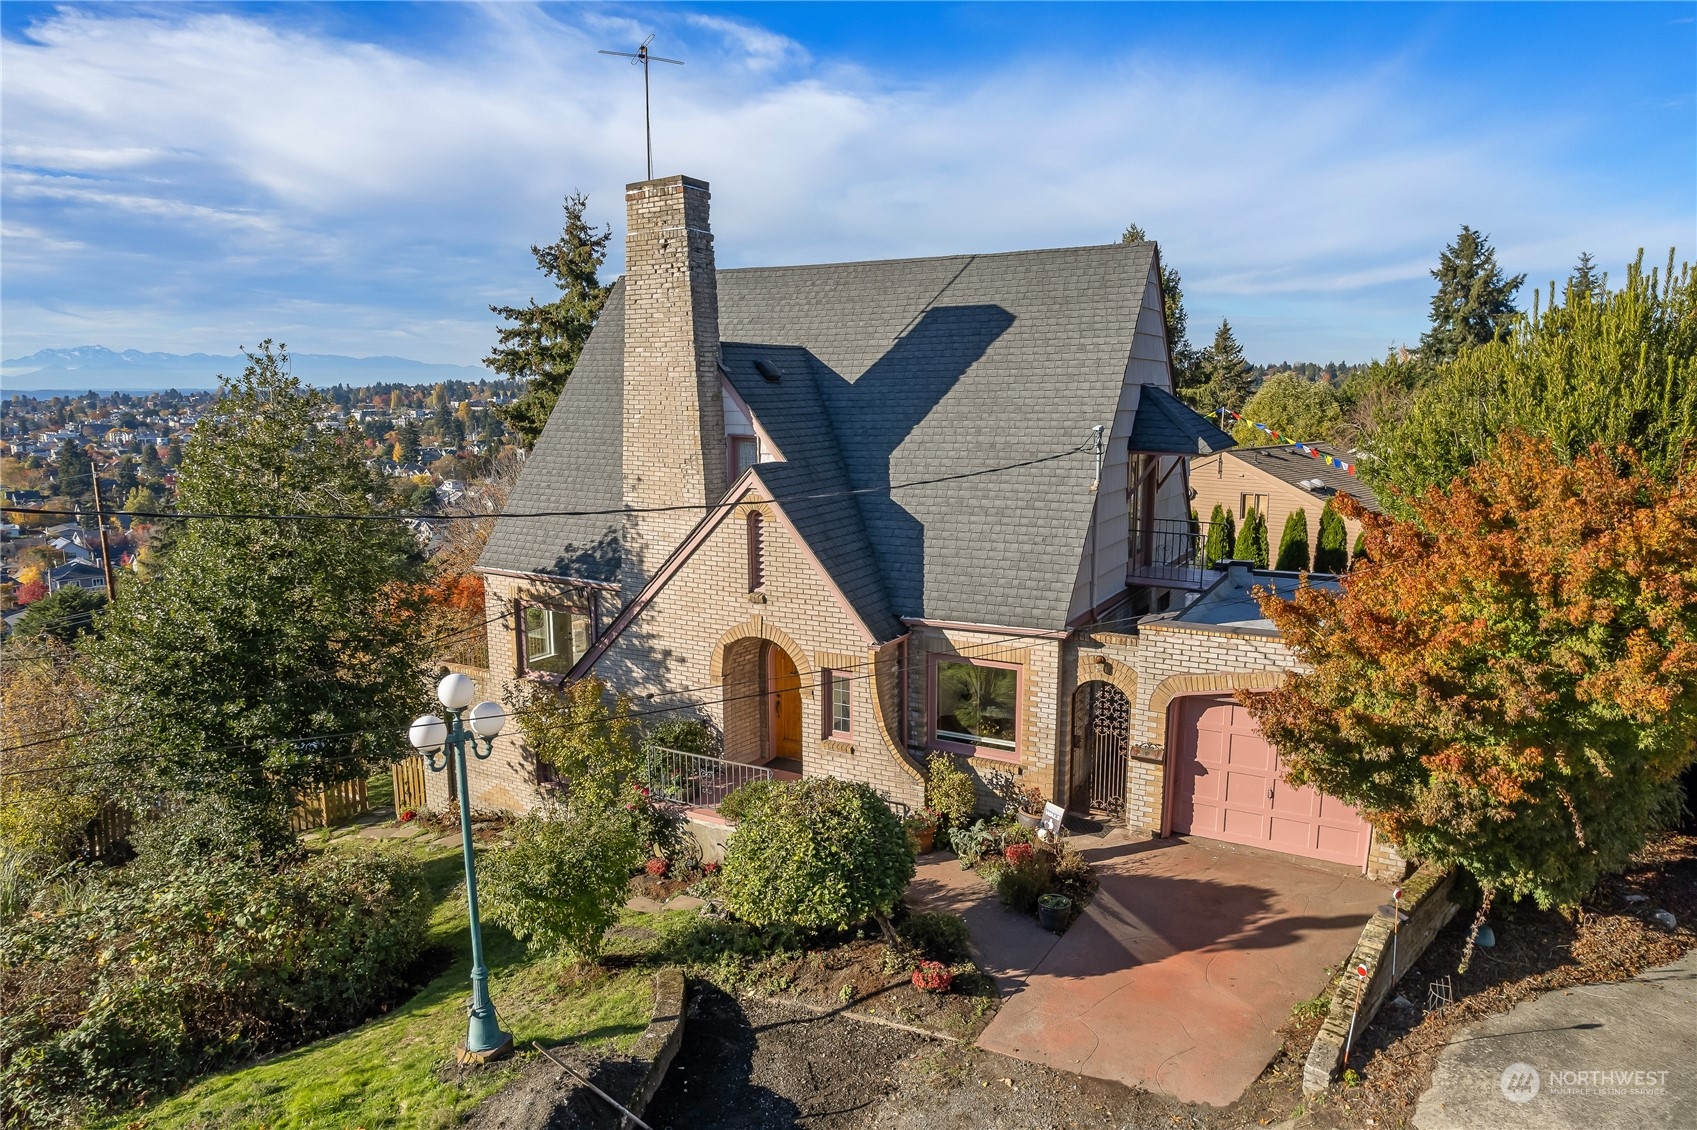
(933,977)
(656,867)
(407,814)
(1017,855)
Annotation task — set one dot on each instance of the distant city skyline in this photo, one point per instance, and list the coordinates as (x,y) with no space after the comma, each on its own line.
(367,179)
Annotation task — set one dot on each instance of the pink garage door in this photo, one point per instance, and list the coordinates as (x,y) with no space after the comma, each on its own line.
(1227,786)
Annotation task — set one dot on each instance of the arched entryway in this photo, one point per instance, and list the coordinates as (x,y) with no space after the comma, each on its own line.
(1101,735)
(762,703)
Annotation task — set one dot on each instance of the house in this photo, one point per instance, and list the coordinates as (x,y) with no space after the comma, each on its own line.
(80,574)
(1277,481)
(860,515)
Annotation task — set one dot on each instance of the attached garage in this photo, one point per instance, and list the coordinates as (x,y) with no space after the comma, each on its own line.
(1227,785)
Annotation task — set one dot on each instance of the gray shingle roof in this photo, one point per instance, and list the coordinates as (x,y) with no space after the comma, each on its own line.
(904,370)
(1167,425)
(1285,462)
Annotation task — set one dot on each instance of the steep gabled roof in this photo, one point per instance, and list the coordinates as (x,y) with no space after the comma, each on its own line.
(1167,425)
(913,371)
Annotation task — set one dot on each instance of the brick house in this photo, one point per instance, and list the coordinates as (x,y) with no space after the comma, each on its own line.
(860,515)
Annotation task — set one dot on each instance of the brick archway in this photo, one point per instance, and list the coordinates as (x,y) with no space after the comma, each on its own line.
(756,627)
(1217,682)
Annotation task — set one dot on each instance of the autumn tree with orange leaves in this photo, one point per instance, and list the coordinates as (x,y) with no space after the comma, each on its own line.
(1509,681)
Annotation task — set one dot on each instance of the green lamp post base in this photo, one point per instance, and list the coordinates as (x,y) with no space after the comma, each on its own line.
(468,1058)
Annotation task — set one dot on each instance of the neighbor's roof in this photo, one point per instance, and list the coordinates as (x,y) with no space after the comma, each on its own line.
(1294,467)
(891,372)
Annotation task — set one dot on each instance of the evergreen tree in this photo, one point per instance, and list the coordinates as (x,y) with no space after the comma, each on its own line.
(1331,549)
(1293,543)
(542,341)
(1252,540)
(126,479)
(75,472)
(1222,536)
(406,443)
(1172,297)
(1475,301)
(1586,279)
(1226,378)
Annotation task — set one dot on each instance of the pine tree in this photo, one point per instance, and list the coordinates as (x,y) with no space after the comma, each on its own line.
(1252,540)
(1222,536)
(1185,357)
(1586,279)
(1331,549)
(542,342)
(75,472)
(1293,543)
(1475,301)
(1226,378)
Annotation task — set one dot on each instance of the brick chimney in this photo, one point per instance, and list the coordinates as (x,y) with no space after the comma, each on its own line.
(674,432)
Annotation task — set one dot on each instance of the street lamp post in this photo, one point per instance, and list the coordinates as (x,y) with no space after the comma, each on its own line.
(441,744)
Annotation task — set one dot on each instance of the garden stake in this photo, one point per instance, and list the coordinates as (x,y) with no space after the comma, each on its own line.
(1360,991)
(592,1087)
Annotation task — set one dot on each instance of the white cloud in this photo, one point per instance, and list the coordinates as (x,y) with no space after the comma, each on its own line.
(215,173)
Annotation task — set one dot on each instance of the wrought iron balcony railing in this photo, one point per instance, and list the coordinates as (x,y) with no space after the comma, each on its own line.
(1169,553)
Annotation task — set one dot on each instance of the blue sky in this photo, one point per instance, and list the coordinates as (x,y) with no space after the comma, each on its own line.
(366,179)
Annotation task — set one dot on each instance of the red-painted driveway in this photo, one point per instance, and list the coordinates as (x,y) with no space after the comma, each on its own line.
(1179,974)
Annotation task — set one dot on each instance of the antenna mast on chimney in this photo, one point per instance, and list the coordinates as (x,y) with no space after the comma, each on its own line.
(642,56)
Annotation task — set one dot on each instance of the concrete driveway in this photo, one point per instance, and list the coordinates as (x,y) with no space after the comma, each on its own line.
(1178,975)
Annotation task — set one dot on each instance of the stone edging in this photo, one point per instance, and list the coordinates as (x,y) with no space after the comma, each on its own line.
(1427,905)
(660,1041)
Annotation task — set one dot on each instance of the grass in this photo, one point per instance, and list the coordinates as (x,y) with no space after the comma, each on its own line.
(398,1070)
(380,789)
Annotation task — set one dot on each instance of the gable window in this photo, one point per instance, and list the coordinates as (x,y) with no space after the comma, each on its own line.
(975,707)
(756,552)
(741,453)
(552,640)
(838,719)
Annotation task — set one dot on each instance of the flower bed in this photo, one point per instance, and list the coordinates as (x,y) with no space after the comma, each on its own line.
(1026,866)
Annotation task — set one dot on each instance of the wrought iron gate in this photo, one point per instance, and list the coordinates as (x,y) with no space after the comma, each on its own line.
(1107,734)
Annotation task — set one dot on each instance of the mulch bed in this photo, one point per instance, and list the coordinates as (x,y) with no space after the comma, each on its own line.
(1537,951)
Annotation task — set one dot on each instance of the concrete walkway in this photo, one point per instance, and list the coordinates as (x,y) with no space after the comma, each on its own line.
(1545,1064)
(1177,976)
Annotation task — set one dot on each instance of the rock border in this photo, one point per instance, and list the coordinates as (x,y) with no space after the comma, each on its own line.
(1428,907)
(660,1041)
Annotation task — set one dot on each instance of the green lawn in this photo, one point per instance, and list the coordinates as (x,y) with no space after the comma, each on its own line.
(397,1071)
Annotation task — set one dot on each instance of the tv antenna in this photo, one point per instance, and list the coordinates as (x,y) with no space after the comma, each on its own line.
(642,56)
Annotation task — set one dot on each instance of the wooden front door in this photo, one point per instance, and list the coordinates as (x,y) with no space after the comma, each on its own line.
(783,696)
(1228,784)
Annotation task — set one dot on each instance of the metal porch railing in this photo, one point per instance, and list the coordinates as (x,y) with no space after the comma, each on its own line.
(1168,553)
(696,779)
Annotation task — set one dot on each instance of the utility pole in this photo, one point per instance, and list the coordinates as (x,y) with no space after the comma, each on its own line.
(100,523)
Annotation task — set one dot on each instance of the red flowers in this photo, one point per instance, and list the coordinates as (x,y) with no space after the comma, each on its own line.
(933,977)
(1017,855)
(407,814)
(656,867)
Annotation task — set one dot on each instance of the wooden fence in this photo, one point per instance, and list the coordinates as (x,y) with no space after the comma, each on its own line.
(408,776)
(335,804)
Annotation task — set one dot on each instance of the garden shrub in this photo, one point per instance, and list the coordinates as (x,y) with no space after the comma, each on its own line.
(940,937)
(686,735)
(148,977)
(933,977)
(559,879)
(949,791)
(739,802)
(816,853)
(1020,884)
(214,828)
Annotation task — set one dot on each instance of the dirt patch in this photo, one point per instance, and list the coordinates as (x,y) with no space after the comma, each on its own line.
(648,886)
(866,977)
(1613,937)
(544,1097)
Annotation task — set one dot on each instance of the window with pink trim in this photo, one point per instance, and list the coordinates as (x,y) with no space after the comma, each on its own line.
(839,719)
(975,707)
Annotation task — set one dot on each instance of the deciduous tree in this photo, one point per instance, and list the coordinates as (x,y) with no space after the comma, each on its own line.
(1509,681)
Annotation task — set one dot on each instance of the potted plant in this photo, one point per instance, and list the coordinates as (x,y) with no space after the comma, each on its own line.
(1052,911)
(1030,802)
(922,830)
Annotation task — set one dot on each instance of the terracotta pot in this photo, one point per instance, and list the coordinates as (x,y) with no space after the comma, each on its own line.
(1028,821)
(924,839)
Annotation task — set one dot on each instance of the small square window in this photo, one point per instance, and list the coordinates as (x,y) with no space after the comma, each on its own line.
(554,639)
(838,718)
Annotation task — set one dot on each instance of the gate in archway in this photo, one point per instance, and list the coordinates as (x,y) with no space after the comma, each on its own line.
(1101,736)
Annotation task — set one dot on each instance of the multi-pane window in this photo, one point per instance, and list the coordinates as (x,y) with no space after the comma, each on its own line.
(1249,502)
(742,452)
(554,639)
(976,704)
(837,710)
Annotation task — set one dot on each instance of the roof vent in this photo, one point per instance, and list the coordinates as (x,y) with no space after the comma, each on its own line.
(1312,484)
(768,370)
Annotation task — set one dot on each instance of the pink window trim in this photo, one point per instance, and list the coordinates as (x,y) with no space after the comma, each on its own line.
(828,702)
(982,753)
(585,609)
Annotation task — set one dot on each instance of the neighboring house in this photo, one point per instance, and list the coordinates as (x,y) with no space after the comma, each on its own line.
(80,574)
(861,515)
(1277,480)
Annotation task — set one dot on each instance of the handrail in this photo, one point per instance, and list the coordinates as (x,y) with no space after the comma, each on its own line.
(698,780)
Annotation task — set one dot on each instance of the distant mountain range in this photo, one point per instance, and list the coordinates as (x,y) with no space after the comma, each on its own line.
(98,369)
